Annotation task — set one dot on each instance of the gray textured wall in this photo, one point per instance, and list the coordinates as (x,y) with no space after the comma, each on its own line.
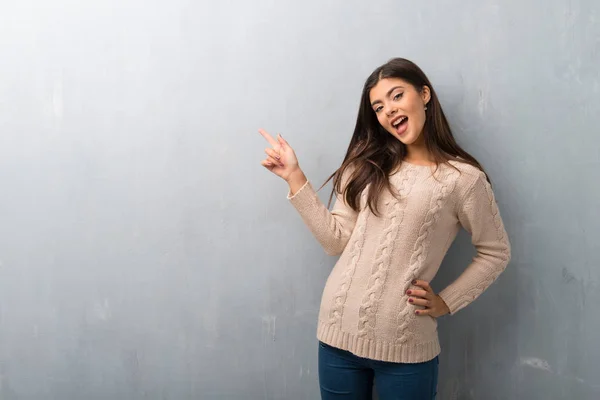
(145,253)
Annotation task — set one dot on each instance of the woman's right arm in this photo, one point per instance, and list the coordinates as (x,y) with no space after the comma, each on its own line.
(331,228)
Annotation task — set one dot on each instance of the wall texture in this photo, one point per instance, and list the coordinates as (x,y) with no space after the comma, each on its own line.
(146,254)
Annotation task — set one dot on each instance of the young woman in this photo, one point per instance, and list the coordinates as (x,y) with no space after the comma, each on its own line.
(403,191)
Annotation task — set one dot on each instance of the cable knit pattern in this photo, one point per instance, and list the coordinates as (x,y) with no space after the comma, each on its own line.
(379,257)
(395,213)
(419,254)
(337,308)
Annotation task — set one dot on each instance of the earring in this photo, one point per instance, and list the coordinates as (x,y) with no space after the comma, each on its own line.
(425,108)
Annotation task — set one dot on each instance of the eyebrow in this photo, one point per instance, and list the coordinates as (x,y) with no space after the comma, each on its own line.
(387,95)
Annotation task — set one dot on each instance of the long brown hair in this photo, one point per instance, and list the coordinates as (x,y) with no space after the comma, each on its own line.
(374,153)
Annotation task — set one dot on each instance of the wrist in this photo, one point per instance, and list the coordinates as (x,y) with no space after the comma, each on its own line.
(296,180)
(296,176)
(445,308)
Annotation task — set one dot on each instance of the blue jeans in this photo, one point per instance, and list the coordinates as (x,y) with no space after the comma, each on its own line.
(342,375)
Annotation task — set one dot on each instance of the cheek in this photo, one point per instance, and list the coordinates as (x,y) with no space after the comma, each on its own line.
(416,106)
(419,122)
(418,113)
(418,117)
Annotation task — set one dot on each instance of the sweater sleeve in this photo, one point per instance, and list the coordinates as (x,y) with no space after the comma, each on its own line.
(331,228)
(479,215)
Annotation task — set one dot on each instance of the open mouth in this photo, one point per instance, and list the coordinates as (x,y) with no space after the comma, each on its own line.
(400,124)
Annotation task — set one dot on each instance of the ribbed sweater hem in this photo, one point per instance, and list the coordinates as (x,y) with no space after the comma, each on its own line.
(377,349)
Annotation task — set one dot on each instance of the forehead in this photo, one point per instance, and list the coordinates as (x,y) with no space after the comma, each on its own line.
(381,89)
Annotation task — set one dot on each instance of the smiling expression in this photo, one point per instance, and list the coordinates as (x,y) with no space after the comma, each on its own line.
(400,108)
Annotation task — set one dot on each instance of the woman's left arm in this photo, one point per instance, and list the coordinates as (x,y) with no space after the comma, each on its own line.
(479,215)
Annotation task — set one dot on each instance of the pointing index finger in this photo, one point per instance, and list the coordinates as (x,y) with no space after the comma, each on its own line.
(268,137)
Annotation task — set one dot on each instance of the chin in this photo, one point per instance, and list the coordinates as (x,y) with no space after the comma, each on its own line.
(407,139)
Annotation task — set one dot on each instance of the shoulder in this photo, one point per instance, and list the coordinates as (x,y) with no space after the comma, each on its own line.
(468,174)
(467,177)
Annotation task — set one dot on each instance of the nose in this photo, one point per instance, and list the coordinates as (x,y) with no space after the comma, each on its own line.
(390,111)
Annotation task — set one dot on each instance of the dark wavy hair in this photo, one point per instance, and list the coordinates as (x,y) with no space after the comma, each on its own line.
(374,153)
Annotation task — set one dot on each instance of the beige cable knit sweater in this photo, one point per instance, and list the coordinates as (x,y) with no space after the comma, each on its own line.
(364,307)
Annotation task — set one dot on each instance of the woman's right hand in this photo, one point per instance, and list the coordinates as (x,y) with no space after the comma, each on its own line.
(281,159)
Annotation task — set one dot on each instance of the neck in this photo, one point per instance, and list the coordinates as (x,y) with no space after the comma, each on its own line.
(417,153)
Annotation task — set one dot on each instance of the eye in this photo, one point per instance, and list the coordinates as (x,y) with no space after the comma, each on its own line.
(378,109)
(398,96)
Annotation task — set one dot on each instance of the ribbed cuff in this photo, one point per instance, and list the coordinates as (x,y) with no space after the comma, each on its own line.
(453,299)
(291,196)
(304,198)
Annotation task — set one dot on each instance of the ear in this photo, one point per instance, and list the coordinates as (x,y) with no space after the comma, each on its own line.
(426,94)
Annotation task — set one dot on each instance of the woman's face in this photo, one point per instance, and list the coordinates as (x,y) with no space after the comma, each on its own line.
(400,108)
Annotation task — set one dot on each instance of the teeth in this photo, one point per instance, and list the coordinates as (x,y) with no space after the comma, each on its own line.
(399,121)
